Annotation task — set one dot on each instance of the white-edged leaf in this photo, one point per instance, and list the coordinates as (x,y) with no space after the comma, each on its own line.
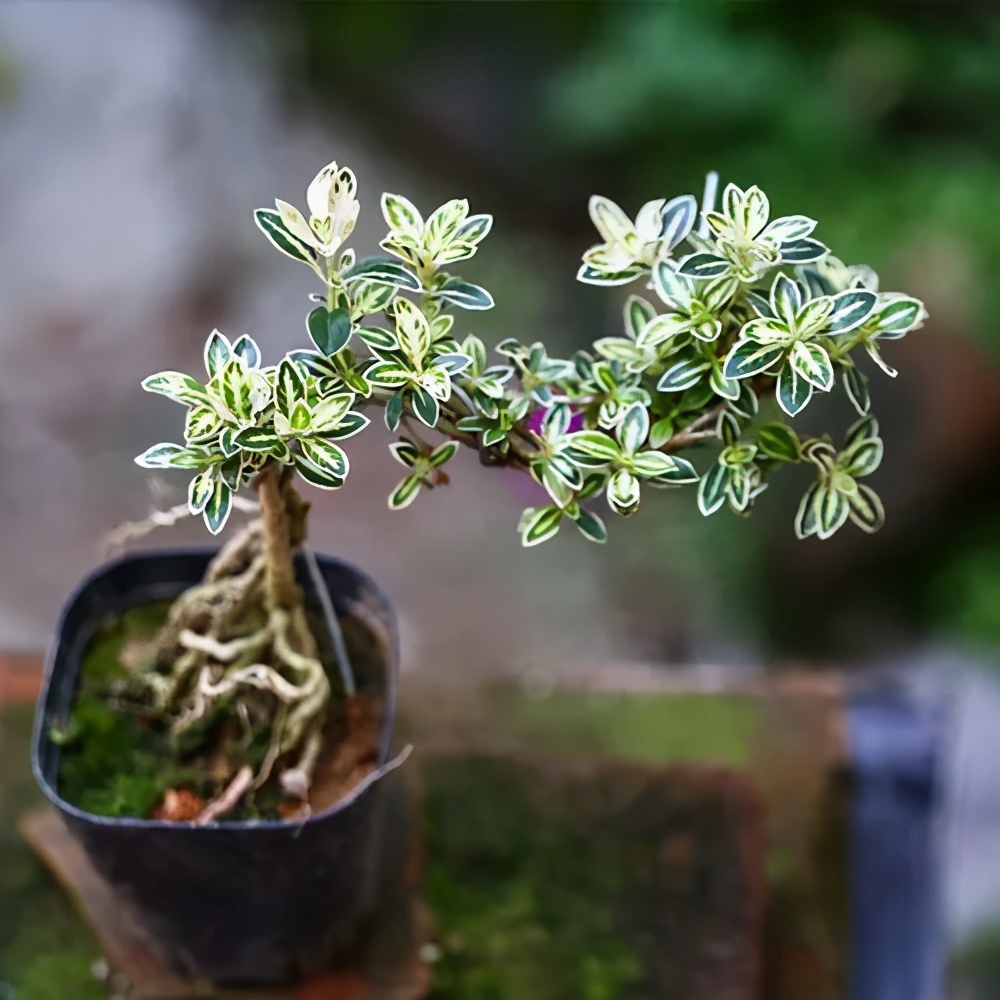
(623,493)
(866,509)
(218,507)
(591,527)
(856,385)
(633,429)
(850,310)
(325,456)
(402,215)
(793,391)
(464,294)
(218,351)
(780,442)
(813,363)
(704,265)
(712,489)
(271,225)
(405,492)
(177,386)
(679,216)
(539,525)
(382,271)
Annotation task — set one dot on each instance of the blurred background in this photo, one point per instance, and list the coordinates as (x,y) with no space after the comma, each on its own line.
(135,141)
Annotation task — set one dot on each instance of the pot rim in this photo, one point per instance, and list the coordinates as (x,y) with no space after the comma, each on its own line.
(39,735)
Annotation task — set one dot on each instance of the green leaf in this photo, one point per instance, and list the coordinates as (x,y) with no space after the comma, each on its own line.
(786,299)
(866,509)
(289,386)
(712,489)
(832,510)
(326,457)
(388,374)
(328,413)
(405,452)
(596,445)
(394,412)
(682,472)
(661,432)
(538,526)
(350,424)
(683,375)
(218,507)
(405,493)
(813,363)
(402,215)
(425,406)
(748,358)
(591,527)
(850,310)
(246,348)
(442,453)
(382,271)
(780,442)
(899,315)
(638,312)
(591,275)
(856,385)
(623,493)
(173,456)
(793,391)
(218,351)
(200,491)
(802,251)
(679,216)
(633,429)
(329,330)
(650,464)
(863,457)
(270,224)
(262,439)
(202,423)
(474,229)
(805,518)
(703,265)
(179,387)
(315,476)
(464,295)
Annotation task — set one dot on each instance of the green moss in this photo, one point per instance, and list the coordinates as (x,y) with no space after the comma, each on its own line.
(526,904)
(112,764)
(659,727)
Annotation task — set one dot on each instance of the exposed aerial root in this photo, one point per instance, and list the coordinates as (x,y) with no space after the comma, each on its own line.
(225,649)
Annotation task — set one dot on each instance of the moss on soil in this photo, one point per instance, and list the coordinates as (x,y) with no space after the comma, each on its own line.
(111,763)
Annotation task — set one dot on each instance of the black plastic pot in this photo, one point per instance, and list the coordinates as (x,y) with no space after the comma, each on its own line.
(241,902)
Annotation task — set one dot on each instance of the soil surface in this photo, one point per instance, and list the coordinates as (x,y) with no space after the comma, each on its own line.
(118,764)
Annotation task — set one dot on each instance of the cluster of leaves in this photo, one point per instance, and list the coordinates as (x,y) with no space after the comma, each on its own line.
(745,307)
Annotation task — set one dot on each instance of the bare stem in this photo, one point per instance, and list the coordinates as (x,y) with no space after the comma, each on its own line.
(281,589)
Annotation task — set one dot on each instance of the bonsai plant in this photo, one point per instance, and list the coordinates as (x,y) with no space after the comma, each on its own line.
(733,308)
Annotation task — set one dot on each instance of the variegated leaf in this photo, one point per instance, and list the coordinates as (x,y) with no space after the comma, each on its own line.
(780,442)
(464,295)
(218,507)
(793,391)
(325,456)
(271,225)
(704,265)
(328,329)
(813,363)
(538,526)
(623,493)
(866,509)
(850,310)
(405,493)
(200,491)
(712,489)
(679,216)
(379,270)
(402,215)
(177,386)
